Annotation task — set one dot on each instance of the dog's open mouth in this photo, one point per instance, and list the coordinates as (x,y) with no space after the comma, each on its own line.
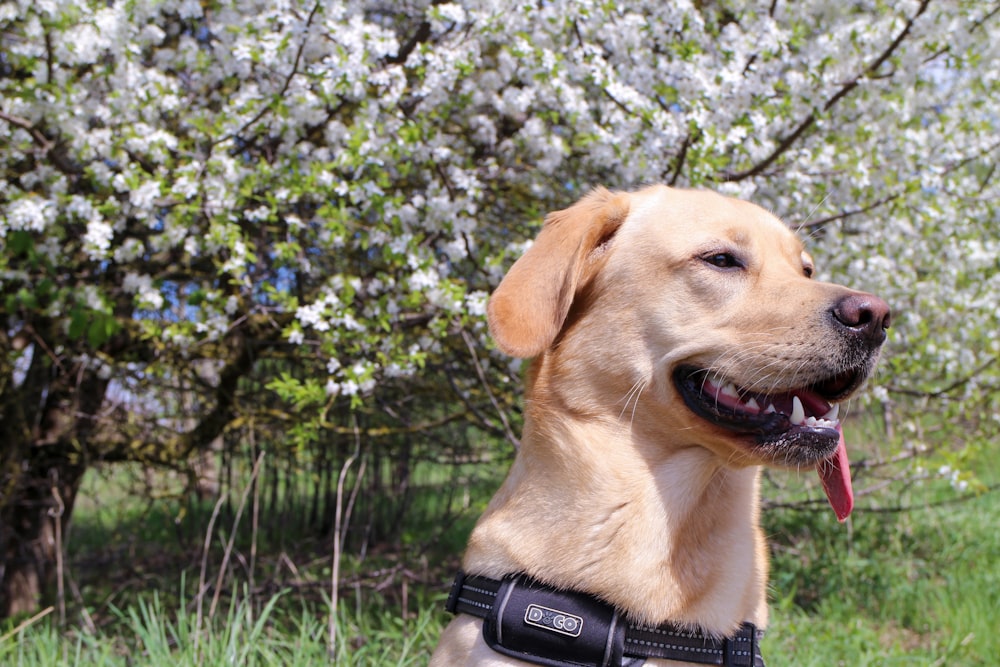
(807,412)
(797,427)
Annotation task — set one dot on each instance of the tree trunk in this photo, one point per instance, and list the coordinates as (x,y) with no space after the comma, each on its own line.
(51,427)
(32,529)
(45,424)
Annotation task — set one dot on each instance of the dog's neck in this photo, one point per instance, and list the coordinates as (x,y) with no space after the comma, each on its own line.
(663,533)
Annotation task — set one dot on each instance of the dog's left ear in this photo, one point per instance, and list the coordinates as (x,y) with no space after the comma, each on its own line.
(528,309)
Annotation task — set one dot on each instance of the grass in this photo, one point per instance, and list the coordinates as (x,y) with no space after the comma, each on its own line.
(920,587)
(148,633)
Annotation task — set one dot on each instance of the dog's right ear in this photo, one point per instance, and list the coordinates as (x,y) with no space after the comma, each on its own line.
(528,309)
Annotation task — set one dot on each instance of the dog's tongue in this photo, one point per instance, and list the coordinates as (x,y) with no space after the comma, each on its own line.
(835,473)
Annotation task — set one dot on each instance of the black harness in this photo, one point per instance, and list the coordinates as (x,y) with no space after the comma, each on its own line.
(536,623)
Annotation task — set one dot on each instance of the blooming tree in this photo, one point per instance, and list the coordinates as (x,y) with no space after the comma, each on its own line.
(191,188)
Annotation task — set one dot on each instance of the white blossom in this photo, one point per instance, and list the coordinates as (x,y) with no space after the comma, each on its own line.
(329,166)
(28,213)
(142,286)
(97,240)
(143,196)
(423,280)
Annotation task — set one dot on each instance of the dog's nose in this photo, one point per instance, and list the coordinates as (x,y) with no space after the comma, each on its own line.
(866,314)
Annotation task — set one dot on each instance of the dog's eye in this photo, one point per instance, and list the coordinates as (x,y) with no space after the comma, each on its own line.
(808,270)
(723,260)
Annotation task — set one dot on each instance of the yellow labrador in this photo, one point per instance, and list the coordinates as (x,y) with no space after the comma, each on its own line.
(679,342)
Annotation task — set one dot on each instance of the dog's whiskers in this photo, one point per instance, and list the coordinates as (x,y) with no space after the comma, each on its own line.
(815,208)
(731,365)
(760,369)
(632,396)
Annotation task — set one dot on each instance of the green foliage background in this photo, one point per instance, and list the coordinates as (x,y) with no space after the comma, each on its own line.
(231,227)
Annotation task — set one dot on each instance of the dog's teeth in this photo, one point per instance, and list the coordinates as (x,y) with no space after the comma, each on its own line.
(833,413)
(798,413)
(729,389)
(770,409)
(810,421)
(752,404)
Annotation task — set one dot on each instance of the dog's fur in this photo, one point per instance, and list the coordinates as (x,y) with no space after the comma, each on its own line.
(619,489)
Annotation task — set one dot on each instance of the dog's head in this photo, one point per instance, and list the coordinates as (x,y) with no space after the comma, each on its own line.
(688,313)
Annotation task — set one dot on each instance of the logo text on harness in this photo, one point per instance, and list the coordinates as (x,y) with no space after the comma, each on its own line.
(553,620)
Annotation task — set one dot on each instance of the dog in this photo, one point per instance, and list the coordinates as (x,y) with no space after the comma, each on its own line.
(679,343)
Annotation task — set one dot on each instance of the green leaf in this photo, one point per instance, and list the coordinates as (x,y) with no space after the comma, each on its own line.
(102,328)
(96,333)
(20,242)
(27,298)
(78,322)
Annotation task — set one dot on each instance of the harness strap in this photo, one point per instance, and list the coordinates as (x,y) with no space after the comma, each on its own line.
(540,624)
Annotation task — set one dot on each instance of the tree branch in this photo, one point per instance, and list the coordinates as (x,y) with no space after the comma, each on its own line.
(43,142)
(284,87)
(681,158)
(508,432)
(810,120)
(949,388)
(848,214)
(422,34)
(53,150)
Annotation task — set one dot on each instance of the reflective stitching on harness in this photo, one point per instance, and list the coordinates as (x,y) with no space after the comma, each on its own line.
(474,603)
(674,647)
(670,633)
(704,650)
